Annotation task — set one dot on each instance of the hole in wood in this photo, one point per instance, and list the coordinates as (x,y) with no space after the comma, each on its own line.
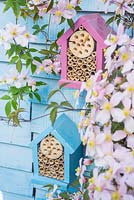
(82,35)
(76,36)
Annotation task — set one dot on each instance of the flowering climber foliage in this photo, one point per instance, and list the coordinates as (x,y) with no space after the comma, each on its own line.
(108,130)
(15,40)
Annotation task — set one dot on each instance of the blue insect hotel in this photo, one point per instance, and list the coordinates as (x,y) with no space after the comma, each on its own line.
(56,153)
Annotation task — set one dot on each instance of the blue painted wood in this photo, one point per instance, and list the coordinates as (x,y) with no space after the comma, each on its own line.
(66,132)
(13,156)
(11,196)
(15,135)
(14,181)
(39,125)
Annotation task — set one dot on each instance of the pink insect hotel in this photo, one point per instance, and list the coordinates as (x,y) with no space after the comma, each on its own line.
(82,50)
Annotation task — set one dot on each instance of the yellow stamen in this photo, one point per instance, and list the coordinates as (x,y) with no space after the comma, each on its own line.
(41,68)
(130,88)
(82,113)
(89,83)
(14,33)
(44,10)
(69,6)
(58,13)
(126,112)
(78,170)
(14,78)
(94,93)
(107,106)
(91,143)
(86,122)
(27,35)
(116,195)
(108,137)
(91,180)
(128,169)
(98,188)
(125,57)
(113,38)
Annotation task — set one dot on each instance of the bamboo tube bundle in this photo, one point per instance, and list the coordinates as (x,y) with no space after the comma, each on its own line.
(51,162)
(79,62)
(79,72)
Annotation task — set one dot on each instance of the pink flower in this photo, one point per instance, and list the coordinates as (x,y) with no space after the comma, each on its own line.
(14,30)
(125,59)
(25,38)
(64,8)
(108,110)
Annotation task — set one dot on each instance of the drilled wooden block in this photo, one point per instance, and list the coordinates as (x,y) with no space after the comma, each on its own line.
(51,158)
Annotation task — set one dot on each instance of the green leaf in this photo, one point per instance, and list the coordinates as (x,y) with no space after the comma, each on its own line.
(8,5)
(44,26)
(52,93)
(48,186)
(5,97)
(66,104)
(28,62)
(63,85)
(33,68)
(110,20)
(64,195)
(51,105)
(53,115)
(31,95)
(19,65)
(14,104)
(13,59)
(11,51)
(39,83)
(37,59)
(8,108)
(50,5)
(37,97)
(70,23)
(33,50)
(16,8)
(36,26)
(77,8)
(85,195)
(47,52)
(60,33)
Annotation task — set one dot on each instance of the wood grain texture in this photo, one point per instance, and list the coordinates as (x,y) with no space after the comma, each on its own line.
(14,181)
(13,156)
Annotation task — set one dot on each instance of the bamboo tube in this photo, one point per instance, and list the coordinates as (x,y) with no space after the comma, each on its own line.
(70,68)
(93,54)
(70,62)
(79,62)
(76,78)
(82,78)
(83,67)
(79,72)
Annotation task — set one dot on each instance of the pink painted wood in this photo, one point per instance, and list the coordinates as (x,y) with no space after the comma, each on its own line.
(98,29)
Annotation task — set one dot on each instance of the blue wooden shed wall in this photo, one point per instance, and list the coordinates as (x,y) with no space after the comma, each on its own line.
(16,169)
